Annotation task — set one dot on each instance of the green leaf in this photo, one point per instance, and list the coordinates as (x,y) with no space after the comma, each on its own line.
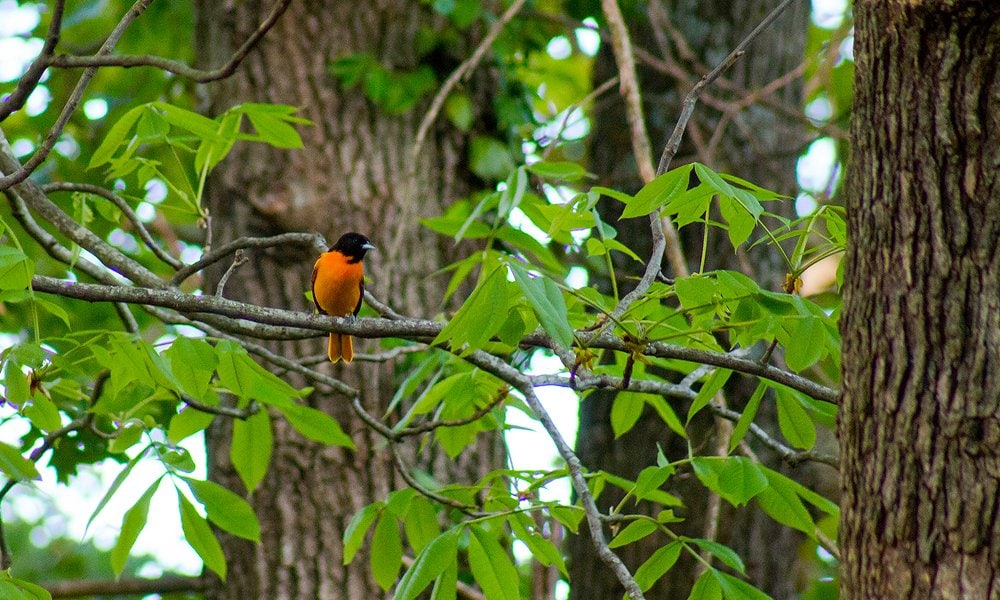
(115,137)
(16,269)
(743,425)
(781,501)
(715,381)
(386,550)
(547,303)
(313,424)
(446,583)
(658,192)
(657,565)
(132,523)
(274,130)
(199,535)
(489,158)
(667,414)
(806,342)
(251,447)
(432,561)
(737,589)
(542,549)
(735,478)
(650,479)
(420,523)
(43,413)
(712,179)
(568,516)
(558,170)
(201,126)
(459,110)
(481,315)
(610,193)
(794,422)
(706,587)
(16,388)
(226,509)
(633,532)
(491,567)
(192,362)
(16,466)
(356,529)
(186,423)
(625,412)
(721,552)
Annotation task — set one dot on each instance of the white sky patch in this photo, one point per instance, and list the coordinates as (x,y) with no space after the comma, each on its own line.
(519,220)
(587,38)
(531,447)
(22,147)
(38,100)
(577,278)
(815,167)
(146,212)
(559,48)
(156,190)
(828,14)
(805,205)
(819,110)
(95,108)
(17,53)
(67,146)
(17,19)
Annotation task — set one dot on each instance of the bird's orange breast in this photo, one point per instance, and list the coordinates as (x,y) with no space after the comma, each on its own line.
(337,284)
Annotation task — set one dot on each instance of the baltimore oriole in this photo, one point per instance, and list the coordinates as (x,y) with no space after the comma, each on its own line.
(338,284)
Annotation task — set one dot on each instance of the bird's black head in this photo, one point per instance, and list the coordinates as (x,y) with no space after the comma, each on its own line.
(353,245)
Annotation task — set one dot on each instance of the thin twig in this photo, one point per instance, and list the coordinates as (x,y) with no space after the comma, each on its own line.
(42,152)
(307,240)
(51,245)
(467,66)
(239,259)
(687,106)
(123,206)
(438,423)
(404,472)
(29,81)
(173,66)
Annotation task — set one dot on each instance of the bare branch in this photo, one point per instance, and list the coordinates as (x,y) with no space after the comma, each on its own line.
(173,66)
(239,260)
(29,81)
(467,66)
(308,240)
(411,329)
(18,175)
(687,106)
(123,206)
(125,587)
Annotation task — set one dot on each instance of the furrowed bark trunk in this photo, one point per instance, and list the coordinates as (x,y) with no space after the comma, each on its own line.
(920,420)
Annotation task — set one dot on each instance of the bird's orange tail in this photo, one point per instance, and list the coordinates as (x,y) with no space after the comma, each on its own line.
(340,347)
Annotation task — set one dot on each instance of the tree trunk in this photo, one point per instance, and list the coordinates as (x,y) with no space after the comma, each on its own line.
(761,146)
(920,421)
(354,174)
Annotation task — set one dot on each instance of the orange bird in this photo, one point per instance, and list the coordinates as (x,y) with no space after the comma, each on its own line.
(338,284)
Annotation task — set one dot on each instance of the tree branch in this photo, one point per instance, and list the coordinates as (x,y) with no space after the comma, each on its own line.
(411,329)
(29,81)
(125,587)
(173,66)
(123,206)
(42,152)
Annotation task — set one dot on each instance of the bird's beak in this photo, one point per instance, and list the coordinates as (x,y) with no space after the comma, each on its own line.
(369,246)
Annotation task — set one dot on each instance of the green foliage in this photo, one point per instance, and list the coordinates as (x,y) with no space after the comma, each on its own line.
(126,399)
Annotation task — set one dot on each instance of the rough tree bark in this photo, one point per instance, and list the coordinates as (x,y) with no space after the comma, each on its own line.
(761,146)
(352,175)
(920,421)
